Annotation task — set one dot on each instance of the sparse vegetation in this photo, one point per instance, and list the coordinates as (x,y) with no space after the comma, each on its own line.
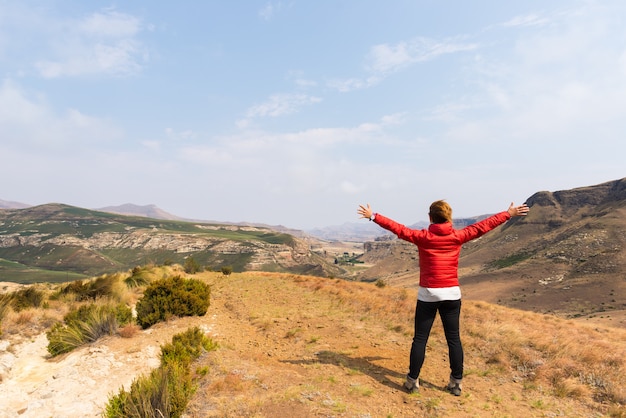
(5,302)
(140,276)
(509,260)
(28,297)
(167,389)
(106,286)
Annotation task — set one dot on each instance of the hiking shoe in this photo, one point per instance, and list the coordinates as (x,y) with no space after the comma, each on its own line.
(454,388)
(412,385)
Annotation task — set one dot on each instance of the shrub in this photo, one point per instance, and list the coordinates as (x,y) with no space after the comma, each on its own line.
(186,347)
(226,270)
(91,290)
(122,313)
(28,297)
(86,324)
(172,296)
(148,397)
(63,339)
(5,302)
(166,391)
(191,266)
(139,277)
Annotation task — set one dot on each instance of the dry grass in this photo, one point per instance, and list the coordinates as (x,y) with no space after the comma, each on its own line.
(348,343)
(319,347)
(128,331)
(573,359)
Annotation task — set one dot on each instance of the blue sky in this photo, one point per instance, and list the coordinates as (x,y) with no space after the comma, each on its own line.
(294,112)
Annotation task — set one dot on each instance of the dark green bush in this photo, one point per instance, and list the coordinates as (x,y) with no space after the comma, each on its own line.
(28,297)
(173,296)
(226,270)
(186,347)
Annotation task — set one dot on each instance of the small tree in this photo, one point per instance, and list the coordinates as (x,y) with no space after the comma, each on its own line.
(191,266)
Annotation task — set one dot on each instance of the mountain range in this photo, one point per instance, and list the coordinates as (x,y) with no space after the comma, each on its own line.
(349,231)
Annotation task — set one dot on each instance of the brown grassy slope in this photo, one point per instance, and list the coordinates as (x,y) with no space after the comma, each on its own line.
(303,346)
(567,257)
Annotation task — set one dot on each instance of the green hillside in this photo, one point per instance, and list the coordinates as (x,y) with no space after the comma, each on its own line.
(51,242)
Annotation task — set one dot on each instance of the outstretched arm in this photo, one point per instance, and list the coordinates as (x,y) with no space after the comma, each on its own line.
(521,210)
(365,211)
(480,228)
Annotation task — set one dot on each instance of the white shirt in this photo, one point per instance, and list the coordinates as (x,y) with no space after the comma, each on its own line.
(437,294)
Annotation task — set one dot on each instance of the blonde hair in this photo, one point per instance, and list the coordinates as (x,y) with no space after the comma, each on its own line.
(440,212)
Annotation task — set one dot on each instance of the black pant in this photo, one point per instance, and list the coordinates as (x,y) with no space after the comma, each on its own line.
(425,312)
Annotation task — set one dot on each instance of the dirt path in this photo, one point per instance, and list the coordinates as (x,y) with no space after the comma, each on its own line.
(77,384)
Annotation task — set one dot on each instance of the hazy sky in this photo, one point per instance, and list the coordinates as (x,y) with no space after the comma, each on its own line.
(294,112)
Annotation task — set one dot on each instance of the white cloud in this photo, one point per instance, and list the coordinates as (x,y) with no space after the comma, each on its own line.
(110,25)
(351,84)
(526,20)
(282,104)
(28,122)
(351,188)
(385,59)
(302,162)
(103,43)
(180,135)
(278,105)
(152,145)
(269,9)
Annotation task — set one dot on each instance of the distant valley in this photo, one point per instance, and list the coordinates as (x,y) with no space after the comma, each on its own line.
(568,257)
(58,242)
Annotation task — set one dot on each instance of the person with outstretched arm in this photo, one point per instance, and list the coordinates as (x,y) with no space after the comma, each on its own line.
(439,247)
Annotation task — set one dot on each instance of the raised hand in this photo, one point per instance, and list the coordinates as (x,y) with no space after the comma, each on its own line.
(521,210)
(365,211)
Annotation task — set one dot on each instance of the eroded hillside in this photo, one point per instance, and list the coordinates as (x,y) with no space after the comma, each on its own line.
(45,243)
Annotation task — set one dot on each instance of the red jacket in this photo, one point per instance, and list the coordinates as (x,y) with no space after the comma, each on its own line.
(440,245)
